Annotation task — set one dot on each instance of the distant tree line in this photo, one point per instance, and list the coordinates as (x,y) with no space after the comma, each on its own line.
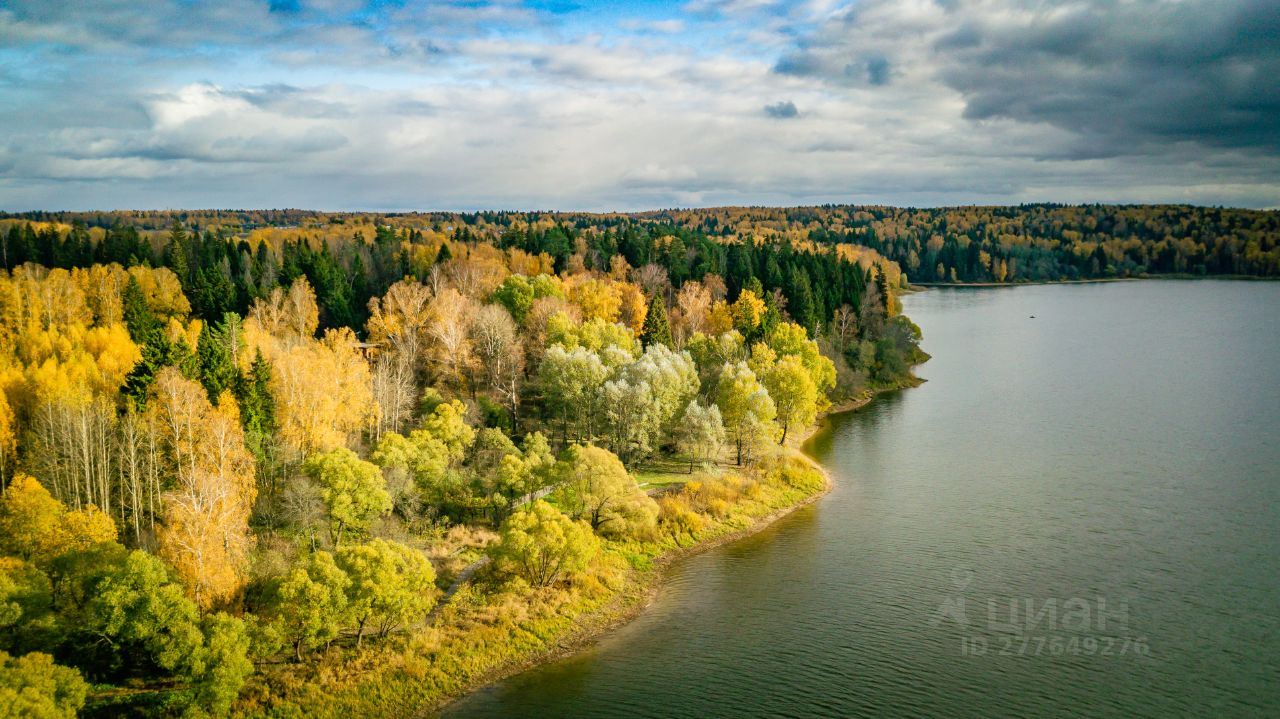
(224,268)
(1027,242)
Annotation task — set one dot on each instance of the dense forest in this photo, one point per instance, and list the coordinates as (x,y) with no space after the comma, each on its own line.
(1023,243)
(303,464)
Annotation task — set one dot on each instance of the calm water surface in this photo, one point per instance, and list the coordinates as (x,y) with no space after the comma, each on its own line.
(1119,450)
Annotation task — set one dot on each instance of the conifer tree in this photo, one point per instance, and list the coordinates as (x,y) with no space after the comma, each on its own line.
(217,366)
(657,330)
(176,254)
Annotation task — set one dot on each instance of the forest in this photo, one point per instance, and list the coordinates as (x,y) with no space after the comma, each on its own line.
(969,244)
(1026,243)
(308,464)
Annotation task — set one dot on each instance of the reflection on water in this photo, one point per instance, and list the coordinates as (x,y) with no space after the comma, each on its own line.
(1103,473)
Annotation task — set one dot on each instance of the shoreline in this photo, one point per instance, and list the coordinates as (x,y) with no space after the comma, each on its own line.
(1098,280)
(641,592)
(630,602)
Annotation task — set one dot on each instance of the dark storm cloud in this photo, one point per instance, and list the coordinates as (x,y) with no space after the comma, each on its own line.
(1128,76)
(1122,77)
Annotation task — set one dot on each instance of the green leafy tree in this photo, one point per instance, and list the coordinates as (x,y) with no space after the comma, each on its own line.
(522,473)
(137,604)
(25,603)
(225,664)
(541,545)
(420,456)
(430,453)
(793,392)
(700,433)
(745,406)
(710,354)
(10,592)
(598,335)
(33,686)
(447,423)
(641,404)
(494,456)
(572,381)
(390,585)
(354,491)
(789,338)
(595,487)
(309,605)
(516,294)
(631,417)
(125,616)
(672,378)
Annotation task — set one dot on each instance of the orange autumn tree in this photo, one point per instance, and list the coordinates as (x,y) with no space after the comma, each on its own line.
(633,306)
(322,391)
(205,532)
(321,387)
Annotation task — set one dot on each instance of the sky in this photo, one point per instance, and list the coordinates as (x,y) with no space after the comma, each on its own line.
(567,105)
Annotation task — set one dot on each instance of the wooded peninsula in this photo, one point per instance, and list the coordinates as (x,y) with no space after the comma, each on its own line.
(294,463)
(288,464)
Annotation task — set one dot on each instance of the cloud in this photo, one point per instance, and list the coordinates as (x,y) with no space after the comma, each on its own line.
(654,175)
(343,104)
(877,70)
(658,26)
(1124,78)
(728,7)
(782,110)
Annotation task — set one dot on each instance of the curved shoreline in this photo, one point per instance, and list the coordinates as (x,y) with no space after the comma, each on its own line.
(641,592)
(629,602)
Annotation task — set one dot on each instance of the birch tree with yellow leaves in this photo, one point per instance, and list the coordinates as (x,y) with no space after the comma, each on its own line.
(205,529)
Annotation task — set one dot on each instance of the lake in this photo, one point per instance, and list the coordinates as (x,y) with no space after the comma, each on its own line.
(1077,515)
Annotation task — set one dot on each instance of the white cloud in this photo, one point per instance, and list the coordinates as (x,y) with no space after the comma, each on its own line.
(659,26)
(491,105)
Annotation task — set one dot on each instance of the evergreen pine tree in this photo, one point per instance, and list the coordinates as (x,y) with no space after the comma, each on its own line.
(657,330)
(217,366)
(257,406)
(138,317)
(176,254)
(800,301)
